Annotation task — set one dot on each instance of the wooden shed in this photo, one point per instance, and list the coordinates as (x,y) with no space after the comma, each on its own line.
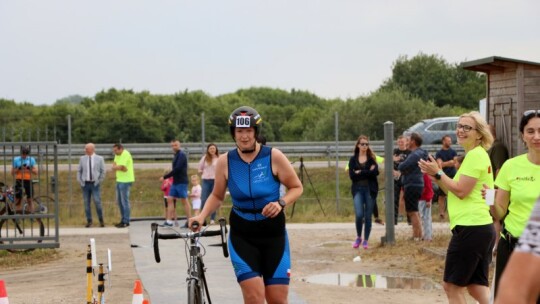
(513,86)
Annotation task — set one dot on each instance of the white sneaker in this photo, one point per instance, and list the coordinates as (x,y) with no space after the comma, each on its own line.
(212,222)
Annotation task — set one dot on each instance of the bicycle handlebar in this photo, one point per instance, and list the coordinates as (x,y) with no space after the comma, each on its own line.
(189,235)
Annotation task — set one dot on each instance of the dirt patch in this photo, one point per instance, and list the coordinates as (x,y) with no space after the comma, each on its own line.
(63,280)
(330,251)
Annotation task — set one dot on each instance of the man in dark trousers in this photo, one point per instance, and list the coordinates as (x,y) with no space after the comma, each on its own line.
(90,175)
(413,182)
(445,158)
(179,188)
(399,155)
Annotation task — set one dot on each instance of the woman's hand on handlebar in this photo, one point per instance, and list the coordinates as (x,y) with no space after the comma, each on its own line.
(197,219)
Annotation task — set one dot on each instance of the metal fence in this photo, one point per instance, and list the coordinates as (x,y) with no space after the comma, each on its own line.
(28,196)
(194,151)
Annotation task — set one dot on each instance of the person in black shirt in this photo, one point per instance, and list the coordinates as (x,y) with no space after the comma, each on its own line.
(445,158)
(400,154)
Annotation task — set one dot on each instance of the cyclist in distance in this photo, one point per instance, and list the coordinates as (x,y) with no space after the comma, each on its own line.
(23,167)
(258,240)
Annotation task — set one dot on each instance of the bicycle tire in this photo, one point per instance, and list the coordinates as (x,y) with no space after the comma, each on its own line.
(194,292)
(155,242)
(17,226)
(223,228)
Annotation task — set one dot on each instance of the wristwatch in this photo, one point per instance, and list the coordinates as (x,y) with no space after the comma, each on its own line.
(282,203)
(439,174)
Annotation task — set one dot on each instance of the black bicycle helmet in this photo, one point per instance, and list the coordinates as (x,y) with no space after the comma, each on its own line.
(245,117)
(25,150)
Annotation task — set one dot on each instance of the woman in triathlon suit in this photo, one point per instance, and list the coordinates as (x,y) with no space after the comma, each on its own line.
(258,241)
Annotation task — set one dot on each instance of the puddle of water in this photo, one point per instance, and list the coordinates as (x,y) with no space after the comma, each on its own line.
(371,281)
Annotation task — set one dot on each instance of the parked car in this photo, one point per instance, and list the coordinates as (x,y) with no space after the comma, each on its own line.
(432,130)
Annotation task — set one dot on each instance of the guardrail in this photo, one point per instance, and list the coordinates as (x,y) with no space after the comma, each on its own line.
(194,151)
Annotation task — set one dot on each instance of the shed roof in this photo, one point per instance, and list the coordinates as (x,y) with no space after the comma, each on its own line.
(494,63)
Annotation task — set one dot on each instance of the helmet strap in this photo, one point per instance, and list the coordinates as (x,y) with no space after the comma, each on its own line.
(249,151)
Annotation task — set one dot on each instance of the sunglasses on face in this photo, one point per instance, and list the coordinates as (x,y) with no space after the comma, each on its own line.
(465,128)
(364,144)
(531,112)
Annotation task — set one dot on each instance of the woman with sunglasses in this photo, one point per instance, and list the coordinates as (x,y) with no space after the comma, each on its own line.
(363,171)
(518,182)
(469,251)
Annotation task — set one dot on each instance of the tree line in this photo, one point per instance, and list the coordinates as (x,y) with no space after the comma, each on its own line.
(420,87)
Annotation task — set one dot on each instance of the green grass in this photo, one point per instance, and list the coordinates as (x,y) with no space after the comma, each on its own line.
(147,199)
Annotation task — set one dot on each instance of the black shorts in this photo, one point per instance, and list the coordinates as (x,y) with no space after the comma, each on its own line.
(260,249)
(469,255)
(411,195)
(440,192)
(26,185)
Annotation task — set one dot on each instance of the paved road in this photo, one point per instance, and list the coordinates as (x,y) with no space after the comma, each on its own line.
(165,282)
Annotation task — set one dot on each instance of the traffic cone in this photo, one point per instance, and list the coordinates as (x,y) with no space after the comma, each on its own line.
(137,293)
(3,293)
(145,301)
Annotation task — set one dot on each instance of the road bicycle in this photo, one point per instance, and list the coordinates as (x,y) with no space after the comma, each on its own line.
(197,288)
(17,224)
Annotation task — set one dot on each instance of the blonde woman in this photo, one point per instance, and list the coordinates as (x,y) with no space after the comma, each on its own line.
(469,252)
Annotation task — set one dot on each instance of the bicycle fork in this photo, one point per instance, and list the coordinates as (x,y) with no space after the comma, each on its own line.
(197,273)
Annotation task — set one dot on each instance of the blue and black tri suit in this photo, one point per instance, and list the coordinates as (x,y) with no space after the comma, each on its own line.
(259,246)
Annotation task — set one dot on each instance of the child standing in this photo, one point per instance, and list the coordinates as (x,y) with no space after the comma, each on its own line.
(166,187)
(195,194)
(424,207)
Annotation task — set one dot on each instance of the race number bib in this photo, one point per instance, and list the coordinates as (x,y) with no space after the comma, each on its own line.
(243,121)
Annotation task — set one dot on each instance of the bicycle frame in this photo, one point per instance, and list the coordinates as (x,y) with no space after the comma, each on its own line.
(196,279)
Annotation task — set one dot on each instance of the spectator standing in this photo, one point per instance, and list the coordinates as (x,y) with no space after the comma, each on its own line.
(207,170)
(424,207)
(125,177)
(90,175)
(469,251)
(413,182)
(458,161)
(363,172)
(374,194)
(180,184)
(399,155)
(166,188)
(445,158)
(22,168)
(518,186)
(195,194)
(498,153)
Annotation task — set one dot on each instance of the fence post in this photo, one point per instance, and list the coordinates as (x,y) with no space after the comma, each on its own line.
(389,182)
(337,161)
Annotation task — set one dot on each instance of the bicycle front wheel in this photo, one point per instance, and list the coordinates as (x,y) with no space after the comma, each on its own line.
(194,292)
(20,229)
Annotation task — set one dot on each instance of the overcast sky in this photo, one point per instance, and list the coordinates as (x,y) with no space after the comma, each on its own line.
(335,48)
